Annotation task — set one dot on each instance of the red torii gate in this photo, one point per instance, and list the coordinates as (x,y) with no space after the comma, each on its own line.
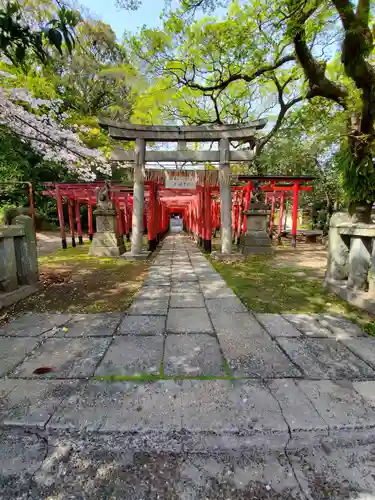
(199,207)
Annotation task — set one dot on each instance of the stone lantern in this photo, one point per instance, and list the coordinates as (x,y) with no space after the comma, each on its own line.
(107,242)
(256,240)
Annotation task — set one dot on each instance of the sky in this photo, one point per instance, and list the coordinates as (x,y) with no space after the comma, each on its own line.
(123,20)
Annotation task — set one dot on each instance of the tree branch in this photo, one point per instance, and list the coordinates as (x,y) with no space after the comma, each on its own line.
(284,108)
(314,70)
(233,78)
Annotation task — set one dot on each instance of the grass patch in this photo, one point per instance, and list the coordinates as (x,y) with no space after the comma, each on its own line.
(264,287)
(74,282)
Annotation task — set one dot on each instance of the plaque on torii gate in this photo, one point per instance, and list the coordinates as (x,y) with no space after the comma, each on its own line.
(222,134)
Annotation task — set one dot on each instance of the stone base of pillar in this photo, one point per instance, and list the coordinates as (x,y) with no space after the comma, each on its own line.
(107,244)
(207,245)
(73,242)
(227,257)
(128,237)
(91,236)
(136,256)
(255,244)
(80,240)
(21,293)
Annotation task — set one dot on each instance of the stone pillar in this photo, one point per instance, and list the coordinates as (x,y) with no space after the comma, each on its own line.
(8,263)
(359,262)
(26,252)
(137,252)
(338,249)
(225,198)
(138,197)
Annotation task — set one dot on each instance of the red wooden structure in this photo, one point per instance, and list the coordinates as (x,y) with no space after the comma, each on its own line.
(199,208)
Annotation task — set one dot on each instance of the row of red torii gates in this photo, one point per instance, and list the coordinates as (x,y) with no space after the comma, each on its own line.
(207,200)
(199,208)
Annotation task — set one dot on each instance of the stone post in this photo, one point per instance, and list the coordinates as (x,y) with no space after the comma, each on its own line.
(359,262)
(138,197)
(338,249)
(8,263)
(26,252)
(137,252)
(225,198)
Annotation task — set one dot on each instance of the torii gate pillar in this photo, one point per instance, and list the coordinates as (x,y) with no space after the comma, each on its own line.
(137,252)
(225,198)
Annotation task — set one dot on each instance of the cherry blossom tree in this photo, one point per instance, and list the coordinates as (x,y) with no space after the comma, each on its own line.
(40,123)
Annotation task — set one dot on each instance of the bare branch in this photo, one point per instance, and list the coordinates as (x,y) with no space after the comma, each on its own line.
(284,108)
(239,76)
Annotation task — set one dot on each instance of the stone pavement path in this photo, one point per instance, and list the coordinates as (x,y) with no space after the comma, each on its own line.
(188,369)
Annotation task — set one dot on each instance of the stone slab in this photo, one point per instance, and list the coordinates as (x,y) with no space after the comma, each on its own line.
(216,290)
(192,320)
(161,282)
(224,406)
(185,287)
(325,359)
(142,325)
(122,406)
(153,292)
(335,472)
(363,347)
(366,389)
(339,405)
(277,326)
(147,307)
(159,272)
(298,411)
(241,323)
(13,351)
(20,454)
(32,402)
(193,355)
(190,278)
(308,325)
(68,358)
(184,300)
(249,349)
(227,305)
(34,324)
(91,325)
(136,256)
(255,356)
(132,356)
(340,327)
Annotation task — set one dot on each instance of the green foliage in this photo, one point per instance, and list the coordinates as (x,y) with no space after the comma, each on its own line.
(18,39)
(358,178)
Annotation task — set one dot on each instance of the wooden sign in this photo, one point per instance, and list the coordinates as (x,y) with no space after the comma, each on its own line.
(179,180)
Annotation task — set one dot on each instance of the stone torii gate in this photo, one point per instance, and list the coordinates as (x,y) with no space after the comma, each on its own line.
(222,134)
